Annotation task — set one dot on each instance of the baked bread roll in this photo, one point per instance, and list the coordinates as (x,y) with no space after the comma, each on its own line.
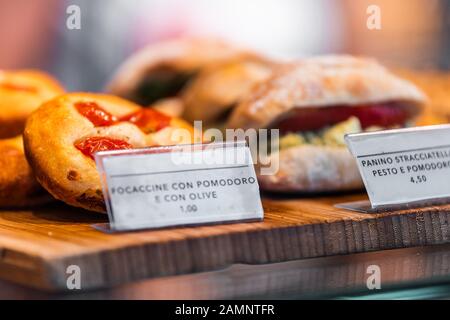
(21,92)
(314,103)
(18,187)
(62,136)
(216,90)
(171,106)
(162,70)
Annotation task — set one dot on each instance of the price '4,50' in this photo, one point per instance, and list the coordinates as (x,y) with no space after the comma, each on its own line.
(418,179)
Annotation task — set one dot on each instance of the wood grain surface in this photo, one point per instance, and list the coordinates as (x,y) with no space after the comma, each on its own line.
(37,246)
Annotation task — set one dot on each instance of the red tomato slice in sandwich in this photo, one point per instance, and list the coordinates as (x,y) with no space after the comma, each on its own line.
(310,119)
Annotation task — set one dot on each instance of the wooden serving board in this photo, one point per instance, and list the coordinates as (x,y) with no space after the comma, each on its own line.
(37,246)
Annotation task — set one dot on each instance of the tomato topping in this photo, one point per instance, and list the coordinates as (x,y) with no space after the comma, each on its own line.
(148,120)
(96,114)
(310,119)
(17,87)
(91,145)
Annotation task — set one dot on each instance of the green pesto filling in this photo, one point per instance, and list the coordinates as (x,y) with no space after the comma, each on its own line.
(160,86)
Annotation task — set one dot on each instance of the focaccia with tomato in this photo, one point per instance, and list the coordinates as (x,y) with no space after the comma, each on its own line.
(314,103)
(63,135)
(21,92)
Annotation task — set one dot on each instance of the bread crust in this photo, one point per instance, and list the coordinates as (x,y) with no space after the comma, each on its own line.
(218,88)
(321,82)
(171,106)
(186,55)
(21,92)
(312,168)
(50,136)
(18,186)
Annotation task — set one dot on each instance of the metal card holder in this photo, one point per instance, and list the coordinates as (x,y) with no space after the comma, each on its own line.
(182,164)
(364,206)
(401,168)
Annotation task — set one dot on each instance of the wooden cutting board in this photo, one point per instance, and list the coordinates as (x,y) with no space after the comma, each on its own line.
(37,246)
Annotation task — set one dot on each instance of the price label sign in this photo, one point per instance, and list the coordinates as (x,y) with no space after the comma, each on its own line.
(403,166)
(179,185)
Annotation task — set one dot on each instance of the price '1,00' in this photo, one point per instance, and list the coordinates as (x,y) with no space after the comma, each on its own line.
(189,208)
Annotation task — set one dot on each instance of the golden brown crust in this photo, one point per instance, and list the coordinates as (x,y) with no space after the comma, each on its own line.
(18,186)
(185,55)
(50,136)
(218,88)
(21,92)
(171,106)
(321,82)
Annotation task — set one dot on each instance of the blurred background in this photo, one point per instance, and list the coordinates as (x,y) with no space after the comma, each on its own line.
(414,34)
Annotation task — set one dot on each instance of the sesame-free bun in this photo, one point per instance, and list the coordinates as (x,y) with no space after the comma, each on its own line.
(323,82)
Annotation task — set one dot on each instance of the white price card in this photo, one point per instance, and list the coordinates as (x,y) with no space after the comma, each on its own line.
(403,166)
(179,185)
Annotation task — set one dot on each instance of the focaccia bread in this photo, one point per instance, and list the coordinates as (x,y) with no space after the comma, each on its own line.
(161,70)
(314,103)
(18,187)
(21,92)
(62,136)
